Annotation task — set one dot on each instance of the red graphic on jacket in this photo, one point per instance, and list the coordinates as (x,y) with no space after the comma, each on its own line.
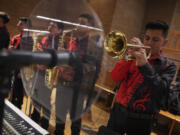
(139,105)
(132,80)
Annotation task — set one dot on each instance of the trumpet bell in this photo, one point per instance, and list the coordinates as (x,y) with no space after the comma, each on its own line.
(115,43)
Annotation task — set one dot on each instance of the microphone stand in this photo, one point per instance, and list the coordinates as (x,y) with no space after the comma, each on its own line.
(16,59)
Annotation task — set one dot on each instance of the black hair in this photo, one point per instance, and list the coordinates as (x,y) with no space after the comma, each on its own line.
(158,25)
(5,17)
(89,18)
(26,20)
(60,25)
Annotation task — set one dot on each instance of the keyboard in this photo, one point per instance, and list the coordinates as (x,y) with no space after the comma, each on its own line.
(15,122)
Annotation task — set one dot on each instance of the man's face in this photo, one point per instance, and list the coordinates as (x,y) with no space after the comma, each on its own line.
(154,39)
(21,25)
(53,28)
(1,22)
(83,21)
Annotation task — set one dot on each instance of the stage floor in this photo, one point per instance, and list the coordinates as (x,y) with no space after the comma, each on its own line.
(91,121)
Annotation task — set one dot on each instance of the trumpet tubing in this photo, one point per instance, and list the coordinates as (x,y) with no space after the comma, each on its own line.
(138,46)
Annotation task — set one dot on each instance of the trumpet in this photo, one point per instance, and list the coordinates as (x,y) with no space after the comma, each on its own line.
(52,77)
(67,35)
(116,45)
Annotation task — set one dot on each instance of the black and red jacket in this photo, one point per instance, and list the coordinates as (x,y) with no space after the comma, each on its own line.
(4,38)
(49,42)
(79,46)
(21,41)
(142,88)
(15,41)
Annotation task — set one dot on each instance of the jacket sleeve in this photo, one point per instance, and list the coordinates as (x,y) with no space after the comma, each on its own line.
(120,70)
(4,40)
(155,80)
(159,83)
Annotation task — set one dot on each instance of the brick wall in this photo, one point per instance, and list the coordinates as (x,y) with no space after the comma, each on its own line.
(175,22)
(105,10)
(129,16)
(16,9)
(160,10)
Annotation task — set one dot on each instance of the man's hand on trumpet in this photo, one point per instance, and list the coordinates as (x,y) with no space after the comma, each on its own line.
(138,53)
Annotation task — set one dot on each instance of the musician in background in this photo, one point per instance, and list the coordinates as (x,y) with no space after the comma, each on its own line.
(51,41)
(74,76)
(23,36)
(4,34)
(81,42)
(18,41)
(144,83)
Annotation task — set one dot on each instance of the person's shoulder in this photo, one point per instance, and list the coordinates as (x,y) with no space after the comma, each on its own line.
(4,31)
(44,39)
(167,61)
(16,36)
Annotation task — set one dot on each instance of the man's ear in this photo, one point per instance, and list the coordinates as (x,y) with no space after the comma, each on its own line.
(165,42)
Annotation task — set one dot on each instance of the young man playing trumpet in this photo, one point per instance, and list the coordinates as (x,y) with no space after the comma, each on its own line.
(144,82)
